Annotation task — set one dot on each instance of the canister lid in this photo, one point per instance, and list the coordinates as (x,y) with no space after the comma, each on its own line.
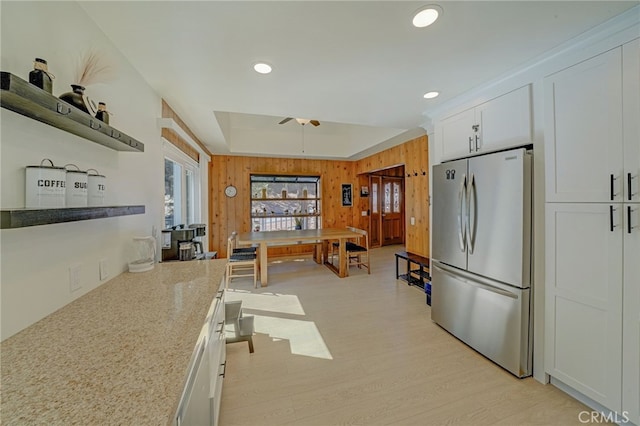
(42,166)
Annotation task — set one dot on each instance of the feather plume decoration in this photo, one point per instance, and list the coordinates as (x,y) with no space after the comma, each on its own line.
(92,69)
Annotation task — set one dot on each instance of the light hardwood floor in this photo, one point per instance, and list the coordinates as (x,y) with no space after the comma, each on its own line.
(363,351)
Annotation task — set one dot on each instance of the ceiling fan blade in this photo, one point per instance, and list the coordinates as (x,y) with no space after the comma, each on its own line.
(315,122)
(285,120)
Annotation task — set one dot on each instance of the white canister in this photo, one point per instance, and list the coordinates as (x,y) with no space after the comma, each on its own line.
(76,192)
(45,186)
(97,188)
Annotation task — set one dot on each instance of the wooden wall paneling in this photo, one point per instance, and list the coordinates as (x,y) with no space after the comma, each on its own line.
(228,215)
(168,112)
(180,143)
(414,156)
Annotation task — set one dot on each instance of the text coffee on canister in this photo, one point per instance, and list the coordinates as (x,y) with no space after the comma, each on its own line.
(76,192)
(97,188)
(45,186)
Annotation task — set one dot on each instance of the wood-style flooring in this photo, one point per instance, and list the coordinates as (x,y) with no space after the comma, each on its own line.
(363,350)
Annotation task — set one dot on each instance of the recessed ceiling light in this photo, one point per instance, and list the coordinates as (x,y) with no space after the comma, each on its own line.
(426,16)
(431,95)
(262,68)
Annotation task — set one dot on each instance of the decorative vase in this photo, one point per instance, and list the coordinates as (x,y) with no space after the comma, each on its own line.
(76,98)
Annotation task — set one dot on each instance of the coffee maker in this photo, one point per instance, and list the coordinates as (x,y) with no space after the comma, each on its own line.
(177,243)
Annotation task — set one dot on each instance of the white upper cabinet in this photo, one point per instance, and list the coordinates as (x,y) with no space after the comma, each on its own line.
(583,131)
(631,120)
(502,122)
(457,135)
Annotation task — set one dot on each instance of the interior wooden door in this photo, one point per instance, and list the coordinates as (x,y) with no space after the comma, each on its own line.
(392,212)
(375,207)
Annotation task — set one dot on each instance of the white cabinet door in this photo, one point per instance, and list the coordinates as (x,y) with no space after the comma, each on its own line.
(583,131)
(631,314)
(631,272)
(583,310)
(218,355)
(457,132)
(505,121)
(631,111)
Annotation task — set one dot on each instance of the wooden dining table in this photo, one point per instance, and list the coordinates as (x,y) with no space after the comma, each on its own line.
(302,236)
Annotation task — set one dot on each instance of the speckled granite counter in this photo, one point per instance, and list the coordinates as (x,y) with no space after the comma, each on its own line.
(117,355)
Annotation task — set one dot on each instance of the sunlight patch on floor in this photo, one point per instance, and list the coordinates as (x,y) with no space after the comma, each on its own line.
(303,336)
(270,302)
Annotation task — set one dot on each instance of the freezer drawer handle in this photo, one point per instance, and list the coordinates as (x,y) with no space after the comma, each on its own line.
(611,224)
(629,179)
(478,284)
(611,181)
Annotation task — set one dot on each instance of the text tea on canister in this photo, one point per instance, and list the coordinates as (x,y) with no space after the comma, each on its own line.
(97,188)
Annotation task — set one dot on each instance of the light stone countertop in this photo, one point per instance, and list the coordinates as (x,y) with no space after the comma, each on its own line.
(117,355)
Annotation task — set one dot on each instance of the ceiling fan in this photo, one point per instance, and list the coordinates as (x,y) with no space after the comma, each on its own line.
(301,121)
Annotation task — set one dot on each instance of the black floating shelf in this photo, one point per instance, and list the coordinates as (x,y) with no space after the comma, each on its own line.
(24,98)
(20,218)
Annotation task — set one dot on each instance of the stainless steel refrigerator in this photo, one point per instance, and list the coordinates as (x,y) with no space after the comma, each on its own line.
(481,255)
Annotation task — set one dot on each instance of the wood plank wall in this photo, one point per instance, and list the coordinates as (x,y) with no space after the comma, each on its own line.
(233,214)
(414,155)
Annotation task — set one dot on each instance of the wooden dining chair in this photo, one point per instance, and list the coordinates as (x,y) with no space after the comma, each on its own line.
(237,249)
(357,250)
(240,264)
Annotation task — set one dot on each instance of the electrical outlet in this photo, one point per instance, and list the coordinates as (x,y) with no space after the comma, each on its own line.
(74,278)
(363,213)
(413,220)
(104,269)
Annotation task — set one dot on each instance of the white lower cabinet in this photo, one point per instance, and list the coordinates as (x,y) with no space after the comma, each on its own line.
(583,336)
(200,401)
(592,336)
(631,313)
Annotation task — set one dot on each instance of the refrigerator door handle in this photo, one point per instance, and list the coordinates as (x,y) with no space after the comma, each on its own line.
(471,212)
(474,282)
(462,202)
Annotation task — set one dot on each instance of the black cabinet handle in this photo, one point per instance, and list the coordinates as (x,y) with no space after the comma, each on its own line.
(629,227)
(224,371)
(611,226)
(629,186)
(612,194)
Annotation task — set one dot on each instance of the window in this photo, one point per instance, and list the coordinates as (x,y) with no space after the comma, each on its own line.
(181,189)
(285,202)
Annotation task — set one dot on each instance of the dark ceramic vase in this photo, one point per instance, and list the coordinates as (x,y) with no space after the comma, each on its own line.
(75,98)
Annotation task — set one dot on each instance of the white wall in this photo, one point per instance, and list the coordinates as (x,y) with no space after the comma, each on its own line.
(597,40)
(35,261)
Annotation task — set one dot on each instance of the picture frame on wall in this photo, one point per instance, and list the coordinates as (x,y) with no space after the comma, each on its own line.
(347,195)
